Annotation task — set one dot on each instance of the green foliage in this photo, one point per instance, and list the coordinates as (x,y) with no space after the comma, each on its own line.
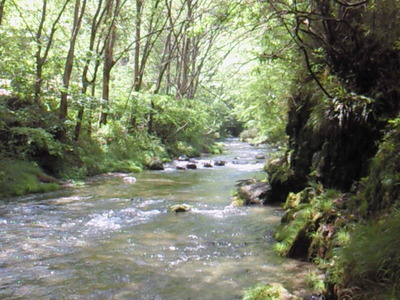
(381,190)
(342,237)
(342,111)
(304,220)
(300,225)
(21,177)
(273,291)
(28,141)
(260,104)
(113,148)
(315,282)
(371,260)
(177,120)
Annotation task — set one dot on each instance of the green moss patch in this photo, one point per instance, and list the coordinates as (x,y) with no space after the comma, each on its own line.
(20,177)
(274,291)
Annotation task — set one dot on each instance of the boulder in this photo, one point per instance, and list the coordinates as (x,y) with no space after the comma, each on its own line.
(179,208)
(156,165)
(207,165)
(219,163)
(254,193)
(260,156)
(191,166)
(183,158)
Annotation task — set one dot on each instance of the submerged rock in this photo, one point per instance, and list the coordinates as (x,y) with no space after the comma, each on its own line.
(129,179)
(179,208)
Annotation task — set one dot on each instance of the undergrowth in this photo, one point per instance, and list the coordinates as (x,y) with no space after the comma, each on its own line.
(273,291)
(371,260)
(20,177)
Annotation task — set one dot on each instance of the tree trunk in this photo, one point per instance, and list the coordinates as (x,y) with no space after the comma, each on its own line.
(184,66)
(78,15)
(139,5)
(41,58)
(2,4)
(96,21)
(108,59)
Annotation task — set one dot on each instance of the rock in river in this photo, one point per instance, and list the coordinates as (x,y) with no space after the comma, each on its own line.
(130,179)
(179,208)
(156,165)
(253,193)
(191,166)
(220,163)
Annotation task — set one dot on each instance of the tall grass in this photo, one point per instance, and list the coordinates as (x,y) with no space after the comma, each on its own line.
(371,260)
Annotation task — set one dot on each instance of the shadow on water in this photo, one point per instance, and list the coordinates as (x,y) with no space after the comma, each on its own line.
(113,240)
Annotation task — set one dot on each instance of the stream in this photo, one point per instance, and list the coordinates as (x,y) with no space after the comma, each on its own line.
(111,239)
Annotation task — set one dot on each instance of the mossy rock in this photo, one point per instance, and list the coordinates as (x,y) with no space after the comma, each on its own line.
(156,165)
(178,208)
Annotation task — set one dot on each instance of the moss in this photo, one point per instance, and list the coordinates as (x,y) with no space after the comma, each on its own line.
(237,201)
(309,223)
(274,291)
(278,169)
(21,177)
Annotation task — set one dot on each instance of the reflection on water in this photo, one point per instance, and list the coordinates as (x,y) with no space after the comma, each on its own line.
(111,239)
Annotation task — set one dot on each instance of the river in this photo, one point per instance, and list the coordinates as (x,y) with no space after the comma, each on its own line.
(110,239)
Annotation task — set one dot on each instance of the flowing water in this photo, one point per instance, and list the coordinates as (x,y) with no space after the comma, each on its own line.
(111,239)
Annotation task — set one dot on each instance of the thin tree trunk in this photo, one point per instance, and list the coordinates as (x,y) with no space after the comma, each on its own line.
(96,21)
(139,5)
(184,67)
(2,4)
(108,60)
(41,58)
(78,15)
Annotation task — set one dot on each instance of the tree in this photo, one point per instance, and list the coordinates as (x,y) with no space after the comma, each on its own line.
(93,54)
(113,9)
(78,15)
(43,48)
